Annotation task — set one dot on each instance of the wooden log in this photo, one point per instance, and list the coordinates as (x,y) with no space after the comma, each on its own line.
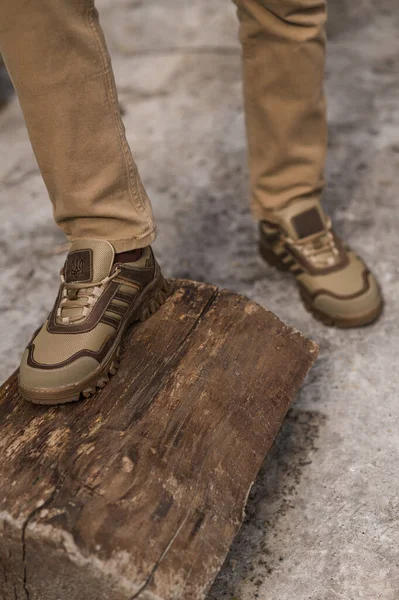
(139,491)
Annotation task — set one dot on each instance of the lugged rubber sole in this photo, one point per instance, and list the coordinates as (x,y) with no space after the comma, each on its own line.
(154,296)
(369,318)
(360,321)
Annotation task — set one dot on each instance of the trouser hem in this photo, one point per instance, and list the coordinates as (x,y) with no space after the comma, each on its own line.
(126,244)
(261,211)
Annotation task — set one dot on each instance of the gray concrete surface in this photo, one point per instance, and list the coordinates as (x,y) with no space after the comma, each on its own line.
(322,519)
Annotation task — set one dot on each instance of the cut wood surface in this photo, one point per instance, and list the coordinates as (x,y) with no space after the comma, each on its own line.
(139,491)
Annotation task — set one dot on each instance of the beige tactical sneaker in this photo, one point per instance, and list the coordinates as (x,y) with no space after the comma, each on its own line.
(77,348)
(335,284)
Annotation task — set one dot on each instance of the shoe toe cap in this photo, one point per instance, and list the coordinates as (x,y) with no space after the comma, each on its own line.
(36,378)
(355,309)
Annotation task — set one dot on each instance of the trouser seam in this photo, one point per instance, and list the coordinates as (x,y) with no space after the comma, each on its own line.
(131,167)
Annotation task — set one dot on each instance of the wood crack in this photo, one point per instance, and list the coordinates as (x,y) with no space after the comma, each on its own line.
(160,559)
(195,326)
(192,330)
(166,365)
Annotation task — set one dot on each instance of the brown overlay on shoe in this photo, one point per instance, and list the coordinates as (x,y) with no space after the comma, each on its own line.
(77,348)
(99,356)
(334,283)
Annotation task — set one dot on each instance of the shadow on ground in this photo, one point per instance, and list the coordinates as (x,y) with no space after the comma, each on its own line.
(6,87)
(270,502)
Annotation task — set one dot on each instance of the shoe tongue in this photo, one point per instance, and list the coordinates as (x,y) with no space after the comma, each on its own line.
(89,260)
(302,221)
(305,219)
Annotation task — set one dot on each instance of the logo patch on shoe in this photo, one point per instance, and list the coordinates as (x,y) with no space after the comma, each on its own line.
(78,266)
(308,223)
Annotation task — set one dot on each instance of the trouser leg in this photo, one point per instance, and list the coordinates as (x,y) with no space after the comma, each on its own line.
(57,58)
(283,60)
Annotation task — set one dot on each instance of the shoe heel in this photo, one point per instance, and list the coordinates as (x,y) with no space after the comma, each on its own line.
(272,258)
(159,297)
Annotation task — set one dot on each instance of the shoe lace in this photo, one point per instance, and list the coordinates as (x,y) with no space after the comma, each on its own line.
(80,296)
(320,247)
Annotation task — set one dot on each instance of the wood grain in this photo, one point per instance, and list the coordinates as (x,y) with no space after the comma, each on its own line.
(139,491)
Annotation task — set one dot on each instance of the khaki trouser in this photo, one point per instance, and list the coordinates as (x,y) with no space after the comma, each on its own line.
(57,58)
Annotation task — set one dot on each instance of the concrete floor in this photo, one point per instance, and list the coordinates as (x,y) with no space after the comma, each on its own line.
(322,519)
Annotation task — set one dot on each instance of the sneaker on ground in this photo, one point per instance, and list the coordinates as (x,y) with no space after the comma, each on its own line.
(335,284)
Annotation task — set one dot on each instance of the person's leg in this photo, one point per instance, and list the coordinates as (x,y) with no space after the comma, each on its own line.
(283,60)
(58,61)
(57,58)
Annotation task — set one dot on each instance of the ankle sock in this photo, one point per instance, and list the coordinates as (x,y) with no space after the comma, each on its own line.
(129,256)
